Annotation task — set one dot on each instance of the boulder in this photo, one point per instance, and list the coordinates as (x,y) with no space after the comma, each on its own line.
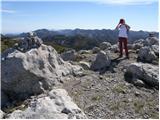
(85,65)
(152,41)
(69,55)
(101,62)
(139,41)
(32,72)
(146,72)
(146,54)
(105,45)
(137,46)
(95,50)
(147,42)
(155,49)
(114,48)
(56,105)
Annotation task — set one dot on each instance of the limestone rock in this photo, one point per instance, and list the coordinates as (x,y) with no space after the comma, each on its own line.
(95,50)
(102,61)
(32,72)
(155,49)
(85,65)
(146,72)
(146,55)
(152,41)
(1,114)
(29,41)
(114,48)
(69,55)
(137,46)
(56,105)
(105,45)
(139,83)
(84,51)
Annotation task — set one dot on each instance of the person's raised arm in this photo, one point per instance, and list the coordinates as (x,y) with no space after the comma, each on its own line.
(117,26)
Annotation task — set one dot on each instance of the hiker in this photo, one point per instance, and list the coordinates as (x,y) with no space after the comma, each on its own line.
(123,37)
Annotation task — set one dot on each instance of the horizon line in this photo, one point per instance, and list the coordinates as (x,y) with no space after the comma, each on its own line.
(72,29)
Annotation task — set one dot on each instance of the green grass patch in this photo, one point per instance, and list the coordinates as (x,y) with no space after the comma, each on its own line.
(120,88)
(138,106)
(58,48)
(7,43)
(96,98)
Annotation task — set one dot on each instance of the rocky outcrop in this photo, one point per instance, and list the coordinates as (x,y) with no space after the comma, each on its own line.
(151,41)
(155,49)
(148,41)
(85,65)
(29,41)
(114,48)
(105,45)
(56,105)
(95,50)
(101,62)
(146,72)
(32,72)
(137,46)
(146,55)
(69,55)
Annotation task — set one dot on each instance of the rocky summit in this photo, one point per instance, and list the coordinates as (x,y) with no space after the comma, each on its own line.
(39,83)
(33,72)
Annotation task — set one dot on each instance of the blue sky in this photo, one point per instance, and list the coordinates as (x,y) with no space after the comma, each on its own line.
(22,16)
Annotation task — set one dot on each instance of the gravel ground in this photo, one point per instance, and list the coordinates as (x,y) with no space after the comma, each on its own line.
(107,95)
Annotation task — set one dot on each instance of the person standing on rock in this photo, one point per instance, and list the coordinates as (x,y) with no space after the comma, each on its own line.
(123,37)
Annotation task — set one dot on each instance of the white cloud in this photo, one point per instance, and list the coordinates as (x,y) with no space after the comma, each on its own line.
(7,11)
(119,2)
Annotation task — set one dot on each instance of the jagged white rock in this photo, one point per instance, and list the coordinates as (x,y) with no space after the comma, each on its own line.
(56,105)
(32,72)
